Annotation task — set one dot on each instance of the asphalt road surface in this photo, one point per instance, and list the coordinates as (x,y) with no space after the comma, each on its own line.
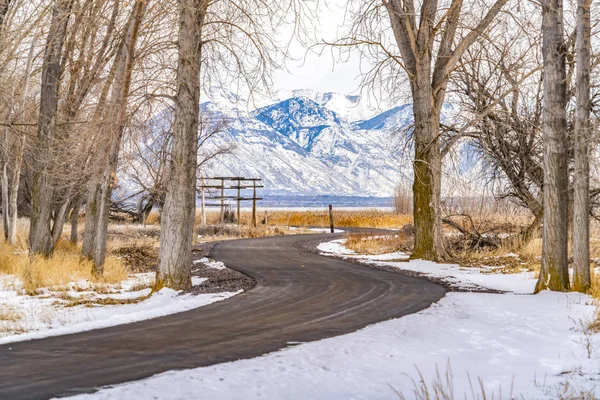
(299,297)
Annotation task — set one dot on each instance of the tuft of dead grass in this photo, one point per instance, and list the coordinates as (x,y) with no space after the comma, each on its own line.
(374,245)
(93,301)
(138,258)
(9,313)
(11,320)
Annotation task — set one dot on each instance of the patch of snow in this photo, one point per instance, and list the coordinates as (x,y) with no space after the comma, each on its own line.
(335,247)
(467,278)
(315,230)
(533,344)
(43,316)
(210,263)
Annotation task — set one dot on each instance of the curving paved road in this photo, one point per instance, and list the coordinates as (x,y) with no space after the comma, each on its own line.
(299,297)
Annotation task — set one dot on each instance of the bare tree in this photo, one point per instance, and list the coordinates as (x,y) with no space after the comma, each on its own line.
(177,218)
(40,233)
(581,178)
(554,273)
(18,149)
(113,126)
(499,89)
(417,31)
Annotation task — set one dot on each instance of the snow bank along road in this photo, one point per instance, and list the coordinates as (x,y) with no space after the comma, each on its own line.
(299,297)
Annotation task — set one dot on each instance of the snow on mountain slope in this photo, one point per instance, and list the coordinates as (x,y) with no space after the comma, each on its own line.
(300,147)
(349,107)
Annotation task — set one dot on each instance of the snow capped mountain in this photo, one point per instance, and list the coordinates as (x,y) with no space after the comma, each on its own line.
(348,107)
(300,147)
(390,120)
(299,118)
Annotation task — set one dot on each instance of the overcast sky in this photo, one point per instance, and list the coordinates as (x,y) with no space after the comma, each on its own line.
(321,73)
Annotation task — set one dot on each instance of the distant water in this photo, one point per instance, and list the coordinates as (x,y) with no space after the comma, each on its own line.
(324,201)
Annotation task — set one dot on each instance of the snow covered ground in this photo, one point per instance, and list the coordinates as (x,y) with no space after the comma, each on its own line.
(508,345)
(452,274)
(53,313)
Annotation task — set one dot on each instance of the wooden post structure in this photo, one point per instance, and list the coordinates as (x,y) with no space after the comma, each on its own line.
(221,220)
(203,202)
(239,194)
(331,219)
(254,204)
(234,183)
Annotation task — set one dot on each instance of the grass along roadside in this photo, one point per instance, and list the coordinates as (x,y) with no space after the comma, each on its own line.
(57,272)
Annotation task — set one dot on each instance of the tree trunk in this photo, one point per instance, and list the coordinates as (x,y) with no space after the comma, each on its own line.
(177,217)
(59,216)
(3,11)
(40,234)
(19,150)
(5,201)
(4,162)
(554,273)
(144,210)
(427,185)
(74,218)
(581,178)
(114,126)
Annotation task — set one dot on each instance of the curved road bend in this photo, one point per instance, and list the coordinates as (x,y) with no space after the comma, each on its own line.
(299,297)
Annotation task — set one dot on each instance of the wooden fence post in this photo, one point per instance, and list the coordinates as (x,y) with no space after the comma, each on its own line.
(222,200)
(203,203)
(331,219)
(254,205)
(239,194)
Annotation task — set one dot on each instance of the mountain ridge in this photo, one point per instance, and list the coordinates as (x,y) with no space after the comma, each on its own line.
(301,147)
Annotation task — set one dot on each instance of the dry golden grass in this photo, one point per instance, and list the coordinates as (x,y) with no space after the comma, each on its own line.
(10,313)
(341,218)
(11,320)
(368,244)
(153,218)
(65,266)
(313,218)
(211,233)
(94,301)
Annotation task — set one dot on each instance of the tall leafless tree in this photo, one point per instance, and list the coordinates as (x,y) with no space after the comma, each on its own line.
(554,273)
(581,177)
(40,234)
(111,132)
(418,30)
(225,42)
(177,218)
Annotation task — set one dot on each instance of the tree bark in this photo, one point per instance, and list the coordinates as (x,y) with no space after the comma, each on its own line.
(113,128)
(581,178)
(40,231)
(554,273)
(59,216)
(5,201)
(4,4)
(74,218)
(177,217)
(19,151)
(429,237)
(4,163)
